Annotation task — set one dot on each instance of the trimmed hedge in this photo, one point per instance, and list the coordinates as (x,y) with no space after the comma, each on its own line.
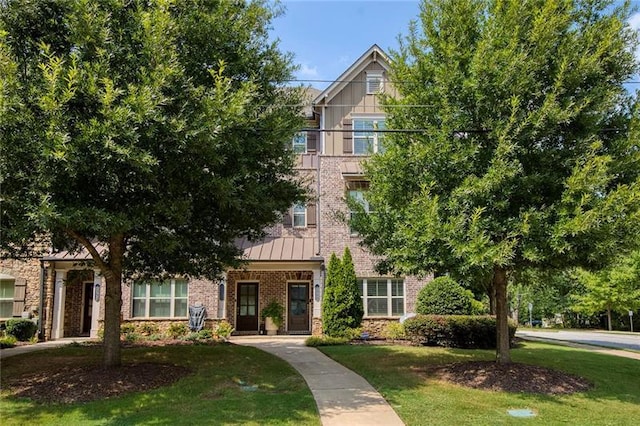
(455,331)
(444,296)
(21,329)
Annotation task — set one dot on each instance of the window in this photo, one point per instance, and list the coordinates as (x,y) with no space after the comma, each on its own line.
(366,139)
(300,143)
(358,196)
(382,297)
(160,299)
(6,298)
(375,83)
(299,216)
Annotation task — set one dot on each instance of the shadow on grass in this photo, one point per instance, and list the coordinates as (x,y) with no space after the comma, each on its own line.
(391,368)
(230,385)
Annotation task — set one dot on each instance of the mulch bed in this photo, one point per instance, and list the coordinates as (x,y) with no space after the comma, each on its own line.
(515,377)
(69,384)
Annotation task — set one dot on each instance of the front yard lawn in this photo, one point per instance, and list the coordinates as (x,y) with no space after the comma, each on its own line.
(401,375)
(225,384)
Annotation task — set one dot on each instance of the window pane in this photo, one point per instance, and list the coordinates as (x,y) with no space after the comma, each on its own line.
(6,289)
(161,289)
(377,306)
(6,309)
(139,308)
(299,220)
(140,290)
(397,306)
(180,308)
(182,288)
(363,144)
(361,286)
(397,288)
(251,310)
(300,143)
(376,287)
(160,307)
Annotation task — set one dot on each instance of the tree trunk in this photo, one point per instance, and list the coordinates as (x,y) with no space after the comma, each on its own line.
(609,318)
(503,354)
(111,356)
(491,292)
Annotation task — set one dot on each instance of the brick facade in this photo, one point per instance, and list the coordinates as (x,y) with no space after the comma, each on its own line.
(29,270)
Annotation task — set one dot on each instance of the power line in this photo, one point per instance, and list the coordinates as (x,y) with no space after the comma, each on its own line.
(310,80)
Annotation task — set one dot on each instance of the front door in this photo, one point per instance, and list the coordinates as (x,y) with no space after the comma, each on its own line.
(247,309)
(298,307)
(87,307)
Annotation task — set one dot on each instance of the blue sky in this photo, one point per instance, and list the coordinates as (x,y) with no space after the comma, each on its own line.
(327,36)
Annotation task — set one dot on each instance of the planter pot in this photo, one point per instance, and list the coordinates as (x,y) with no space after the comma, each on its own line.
(270,326)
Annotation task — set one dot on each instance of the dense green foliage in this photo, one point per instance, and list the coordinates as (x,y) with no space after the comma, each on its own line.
(151,133)
(315,341)
(523,151)
(21,329)
(615,289)
(455,331)
(444,296)
(275,311)
(342,308)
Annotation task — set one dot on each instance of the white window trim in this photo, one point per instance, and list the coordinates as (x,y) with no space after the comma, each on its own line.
(376,143)
(375,76)
(304,215)
(293,143)
(147,298)
(7,299)
(389,297)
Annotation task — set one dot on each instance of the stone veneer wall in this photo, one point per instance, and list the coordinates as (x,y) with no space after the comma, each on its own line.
(334,231)
(272,286)
(28,269)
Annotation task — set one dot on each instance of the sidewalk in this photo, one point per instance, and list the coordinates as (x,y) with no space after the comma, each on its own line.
(343,397)
(19,350)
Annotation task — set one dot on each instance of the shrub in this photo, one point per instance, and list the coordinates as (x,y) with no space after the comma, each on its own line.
(7,342)
(455,331)
(149,328)
(127,328)
(132,337)
(224,330)
(315,341)
(394,331)
(342,308)
(444,296)
(21,329)
(177,330)
(205,334)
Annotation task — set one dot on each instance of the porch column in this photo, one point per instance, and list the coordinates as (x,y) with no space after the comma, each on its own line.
(317,291)
(58,305)
(95,304)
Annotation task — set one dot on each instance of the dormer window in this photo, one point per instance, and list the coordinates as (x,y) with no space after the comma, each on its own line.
(375,83)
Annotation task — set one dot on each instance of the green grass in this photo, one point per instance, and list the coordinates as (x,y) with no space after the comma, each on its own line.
(419,400)
(211,395)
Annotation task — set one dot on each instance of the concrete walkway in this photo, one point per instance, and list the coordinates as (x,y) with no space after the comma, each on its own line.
(19,350)
(343,397)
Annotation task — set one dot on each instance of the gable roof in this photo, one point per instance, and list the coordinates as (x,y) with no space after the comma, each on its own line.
(373,54)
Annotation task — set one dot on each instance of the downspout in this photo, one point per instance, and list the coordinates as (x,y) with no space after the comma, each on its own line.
(41,305)
(322,151)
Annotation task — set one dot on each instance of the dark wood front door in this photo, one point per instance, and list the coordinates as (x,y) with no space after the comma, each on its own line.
(247,309)
(298,307)
(87,307)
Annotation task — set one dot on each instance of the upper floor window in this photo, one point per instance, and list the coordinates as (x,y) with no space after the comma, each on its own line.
(357,195)
(382,296)
(6,297)
(300,143)
(160,299)
(299,216)
(375,83)
(366,138)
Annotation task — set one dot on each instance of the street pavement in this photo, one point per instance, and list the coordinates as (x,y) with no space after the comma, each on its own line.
(588,337)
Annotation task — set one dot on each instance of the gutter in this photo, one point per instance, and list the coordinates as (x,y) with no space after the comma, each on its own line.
(41,307)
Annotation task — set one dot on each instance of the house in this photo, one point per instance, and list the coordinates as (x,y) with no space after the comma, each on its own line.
(287,266)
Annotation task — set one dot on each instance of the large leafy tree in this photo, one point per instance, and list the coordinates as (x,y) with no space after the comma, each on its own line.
(517,146)
(150,133)
(612,289)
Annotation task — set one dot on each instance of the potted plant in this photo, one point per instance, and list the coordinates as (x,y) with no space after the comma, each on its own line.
(273,317)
